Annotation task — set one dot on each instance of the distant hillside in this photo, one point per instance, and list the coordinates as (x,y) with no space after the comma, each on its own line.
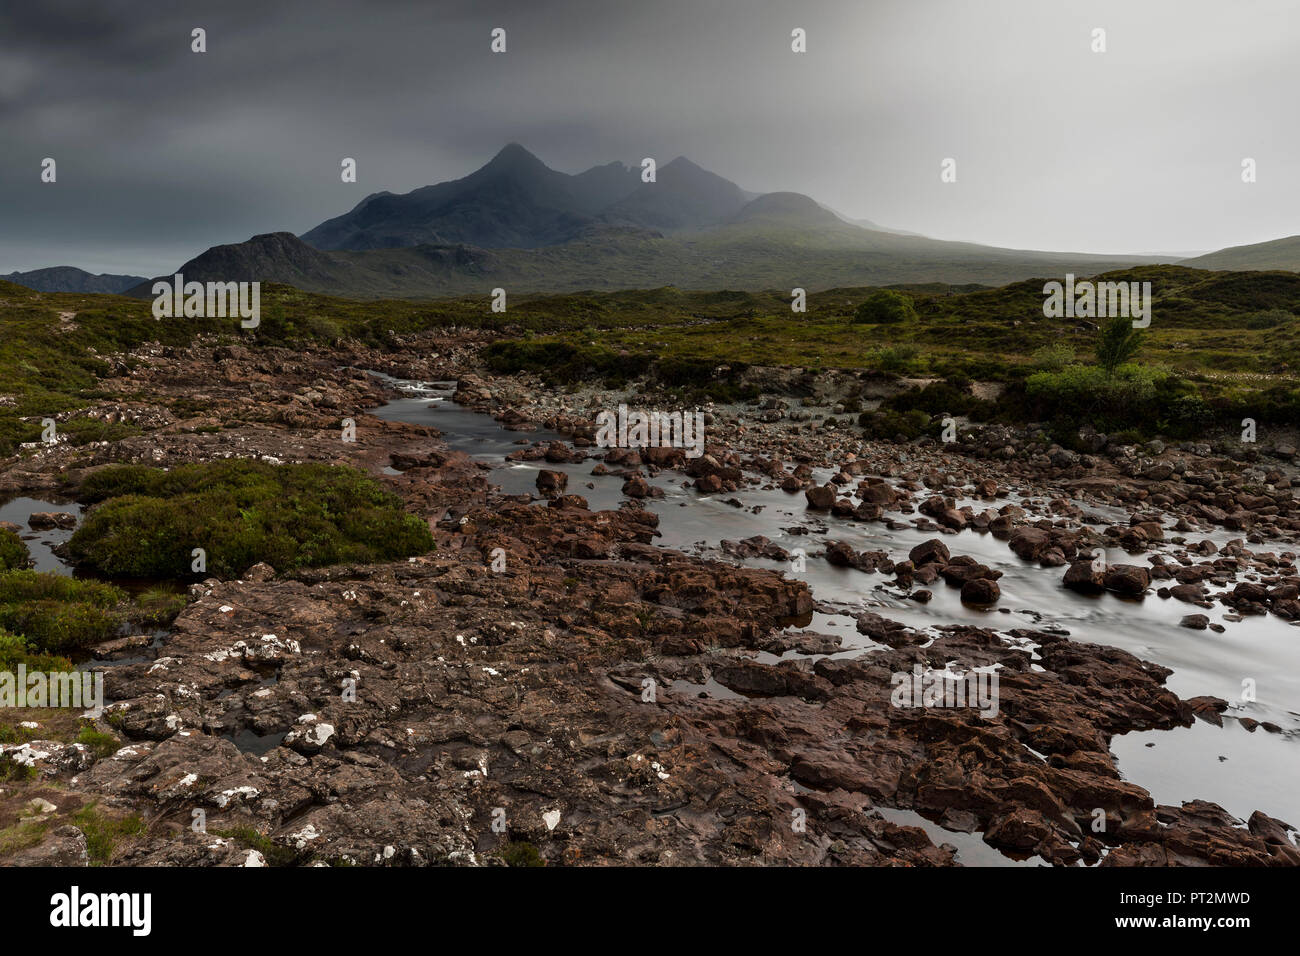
(788,208)
(1276,254)
(72,279)
(773,246)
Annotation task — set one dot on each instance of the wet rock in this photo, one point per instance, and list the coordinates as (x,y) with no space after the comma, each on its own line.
(552,482)
(933,551)
(980,591)
(1208,709)
(45,520)
(1029,543)
(1084,578)
(1127,579)
(820,497)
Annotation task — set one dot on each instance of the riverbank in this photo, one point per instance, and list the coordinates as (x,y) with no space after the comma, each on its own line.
(634,688)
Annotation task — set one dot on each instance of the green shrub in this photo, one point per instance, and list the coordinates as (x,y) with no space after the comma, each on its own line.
(1132,397)
(101,744)
(951,396)
(15,650)
(53,626)
(893,425)
(1052,358)
(20,586)
(1119,342)
(885,307)
(240,512)
(157,607)
(896,358)
(13,552)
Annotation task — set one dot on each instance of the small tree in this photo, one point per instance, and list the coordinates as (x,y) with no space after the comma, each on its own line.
(885,307)
(1119,342)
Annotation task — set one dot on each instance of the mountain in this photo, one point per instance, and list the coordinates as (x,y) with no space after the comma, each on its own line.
(1276,254)
(518,224)
(72,279)
(793,209)
(515,201)
(683,196)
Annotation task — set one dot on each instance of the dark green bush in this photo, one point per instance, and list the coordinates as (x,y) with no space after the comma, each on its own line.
(13,553)
(563,363)
(53,626)
(149,521)
(885,307)
(15,650)
(892,425)
(951,396)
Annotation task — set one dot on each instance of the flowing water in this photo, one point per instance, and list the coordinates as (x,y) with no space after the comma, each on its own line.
(1240,770)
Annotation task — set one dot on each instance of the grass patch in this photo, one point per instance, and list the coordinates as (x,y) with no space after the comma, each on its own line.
(101,744)
(103,833)
(252,839)
(520,853)
(15,650)
(157,607)
(240,512)
(57,614)
(23,835)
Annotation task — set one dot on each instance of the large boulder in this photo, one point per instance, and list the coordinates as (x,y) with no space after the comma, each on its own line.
(1128,579)
(820,497)
(1083,577)
(980,591)
(1029,543)
(933,551)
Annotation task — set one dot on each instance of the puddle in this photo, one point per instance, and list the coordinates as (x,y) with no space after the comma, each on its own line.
(40,543)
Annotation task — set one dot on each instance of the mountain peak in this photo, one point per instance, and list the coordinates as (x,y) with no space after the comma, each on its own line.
(514,158)
(788,208)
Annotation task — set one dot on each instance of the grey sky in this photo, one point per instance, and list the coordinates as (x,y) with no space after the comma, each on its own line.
(162,152)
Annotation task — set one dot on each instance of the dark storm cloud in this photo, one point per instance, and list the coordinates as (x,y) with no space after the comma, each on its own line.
(163,152)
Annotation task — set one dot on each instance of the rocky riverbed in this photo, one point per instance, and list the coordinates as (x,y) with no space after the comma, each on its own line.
(617,656)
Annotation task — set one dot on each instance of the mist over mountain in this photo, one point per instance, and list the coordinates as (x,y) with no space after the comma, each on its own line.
(517,223)
(514,201)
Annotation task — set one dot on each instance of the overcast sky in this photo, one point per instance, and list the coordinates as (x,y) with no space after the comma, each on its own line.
(163,152)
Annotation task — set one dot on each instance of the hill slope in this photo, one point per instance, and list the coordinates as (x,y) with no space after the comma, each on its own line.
(759,252)
(1275,254)
(72,279)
